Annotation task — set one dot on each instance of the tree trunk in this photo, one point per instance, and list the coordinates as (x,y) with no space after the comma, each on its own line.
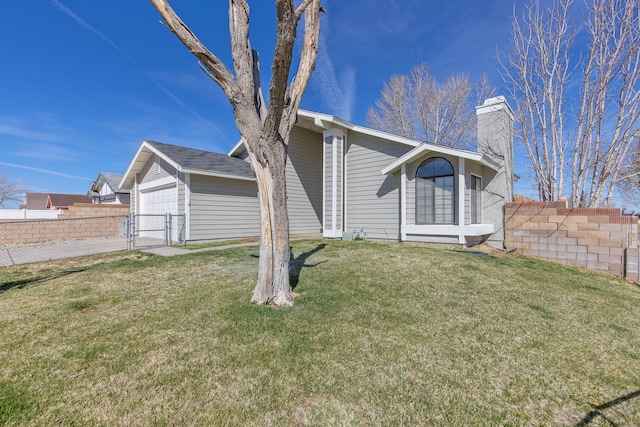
(265,130)
(273,286)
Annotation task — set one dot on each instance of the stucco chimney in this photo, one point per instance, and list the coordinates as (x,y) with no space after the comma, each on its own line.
(495,140)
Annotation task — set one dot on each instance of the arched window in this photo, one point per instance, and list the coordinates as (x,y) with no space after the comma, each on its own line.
(435,192)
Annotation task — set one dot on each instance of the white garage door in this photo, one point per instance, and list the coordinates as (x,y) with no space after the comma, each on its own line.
(154,205)
(159,201)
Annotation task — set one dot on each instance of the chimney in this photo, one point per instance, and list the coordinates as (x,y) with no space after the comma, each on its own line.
(495,141)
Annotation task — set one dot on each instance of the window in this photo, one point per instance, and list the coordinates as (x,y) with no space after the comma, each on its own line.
(476,200)
(435,192)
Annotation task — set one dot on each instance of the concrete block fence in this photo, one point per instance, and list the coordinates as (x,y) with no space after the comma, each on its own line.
(598,239)
(83,220)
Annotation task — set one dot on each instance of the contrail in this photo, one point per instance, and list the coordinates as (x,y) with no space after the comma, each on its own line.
(84,24)
(337,93)
(50,172)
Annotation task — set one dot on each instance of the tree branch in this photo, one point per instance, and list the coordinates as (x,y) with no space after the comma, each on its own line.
(307,63)
(216,68)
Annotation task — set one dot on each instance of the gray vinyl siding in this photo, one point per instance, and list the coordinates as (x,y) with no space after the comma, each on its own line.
(470,169)
(181,193)
(373,199)
(148,173)
(223,208)
(304,182)
(132,196)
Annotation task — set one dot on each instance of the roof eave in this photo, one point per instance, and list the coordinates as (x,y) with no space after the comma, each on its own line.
(218,174)
(237,149)
(130,174)
(418,151)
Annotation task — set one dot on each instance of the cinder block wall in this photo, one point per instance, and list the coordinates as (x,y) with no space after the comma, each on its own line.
(598,239)
(83,220)
(84,210)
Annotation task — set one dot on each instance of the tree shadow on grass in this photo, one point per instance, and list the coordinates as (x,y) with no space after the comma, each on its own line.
(597,409)
(19,284)
(297,263)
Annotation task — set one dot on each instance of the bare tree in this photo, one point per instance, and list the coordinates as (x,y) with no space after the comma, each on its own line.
(577,119)
(264,129)
(418,106)
(609,111)
(11,190)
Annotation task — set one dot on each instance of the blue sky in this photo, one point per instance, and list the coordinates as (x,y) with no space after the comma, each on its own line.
(84,82)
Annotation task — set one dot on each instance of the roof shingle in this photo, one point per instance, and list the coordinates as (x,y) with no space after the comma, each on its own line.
(191,158)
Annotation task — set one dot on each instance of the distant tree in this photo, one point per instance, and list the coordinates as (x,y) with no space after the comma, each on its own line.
(11,190)
(418,106)
(577,111)
(265,129)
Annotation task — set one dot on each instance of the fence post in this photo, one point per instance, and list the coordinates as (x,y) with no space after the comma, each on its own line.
(132,229)
(126,232)
(169,236)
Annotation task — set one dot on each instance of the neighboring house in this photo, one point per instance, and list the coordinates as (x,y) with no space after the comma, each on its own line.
(37,201)
(105,190)
(341,177)
(52,201)
(64,201)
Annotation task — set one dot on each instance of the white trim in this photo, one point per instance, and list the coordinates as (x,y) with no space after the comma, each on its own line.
(449,230)
(162,182)
(236,147)
(332,234)
(344,182)
(461,191)
(149,150)
(403,201)
(418,151)
(326,120)
(334,183)
(324,187)
(337,137)
(187,206)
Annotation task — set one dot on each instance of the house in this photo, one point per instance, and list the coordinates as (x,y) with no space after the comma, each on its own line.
(341,177)
(36,201)
(106,190)
(53,201)
(64,201)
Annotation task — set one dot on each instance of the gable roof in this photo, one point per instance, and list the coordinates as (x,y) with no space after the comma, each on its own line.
(58,201)
(424,148)
(37,200)
(188,160)
(321,121)
(112,180)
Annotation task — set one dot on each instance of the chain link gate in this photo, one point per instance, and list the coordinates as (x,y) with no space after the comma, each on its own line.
(153,230)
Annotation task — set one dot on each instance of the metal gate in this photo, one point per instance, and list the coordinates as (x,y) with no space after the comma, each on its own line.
(152,230)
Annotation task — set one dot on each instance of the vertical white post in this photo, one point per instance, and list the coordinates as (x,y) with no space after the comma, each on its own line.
(461,199)
(333,141)
(334,184)
(403,202)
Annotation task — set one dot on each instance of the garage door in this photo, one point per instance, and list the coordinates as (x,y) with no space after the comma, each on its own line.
(155,204)
(159,201)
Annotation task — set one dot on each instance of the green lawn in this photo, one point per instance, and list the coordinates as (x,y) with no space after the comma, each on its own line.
(381,334)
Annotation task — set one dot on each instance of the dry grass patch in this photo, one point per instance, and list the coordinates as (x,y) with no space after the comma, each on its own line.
(381,334)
